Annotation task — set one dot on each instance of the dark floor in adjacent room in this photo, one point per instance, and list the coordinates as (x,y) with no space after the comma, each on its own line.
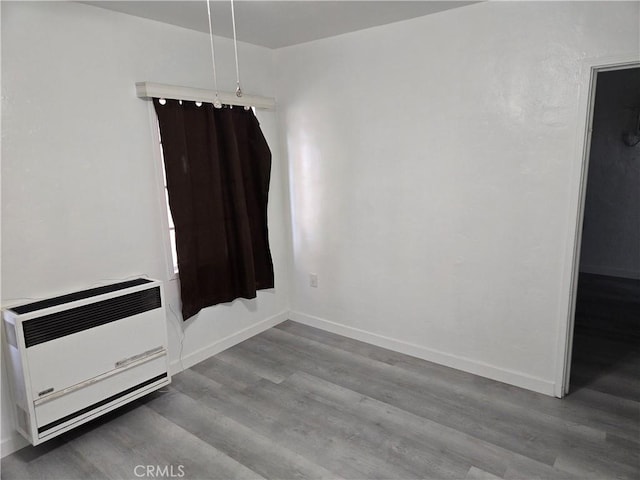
(607,336)
(297,402)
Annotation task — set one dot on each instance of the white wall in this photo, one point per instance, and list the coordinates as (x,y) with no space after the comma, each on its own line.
(611,232)
(81,198)
(432,165)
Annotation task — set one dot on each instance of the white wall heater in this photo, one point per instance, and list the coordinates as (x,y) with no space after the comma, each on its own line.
(75,357)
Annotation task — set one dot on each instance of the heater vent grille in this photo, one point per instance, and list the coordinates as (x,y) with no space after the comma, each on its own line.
(67,322)
(81,295)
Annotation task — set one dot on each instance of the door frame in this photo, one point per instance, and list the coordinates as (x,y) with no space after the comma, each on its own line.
(587,93)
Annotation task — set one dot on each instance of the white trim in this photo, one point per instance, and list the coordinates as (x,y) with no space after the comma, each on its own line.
(229,341)
(12,444)
(610,271)
(171,274)
(465,364)
(159,90)
(577,187)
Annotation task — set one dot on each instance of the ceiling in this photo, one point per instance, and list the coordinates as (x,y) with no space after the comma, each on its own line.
(276,24)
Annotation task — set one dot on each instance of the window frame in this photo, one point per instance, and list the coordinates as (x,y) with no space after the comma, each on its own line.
(170,223)
(165,213)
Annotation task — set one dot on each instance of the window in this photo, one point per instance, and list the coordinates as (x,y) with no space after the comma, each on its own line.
(172,227)
(217,175)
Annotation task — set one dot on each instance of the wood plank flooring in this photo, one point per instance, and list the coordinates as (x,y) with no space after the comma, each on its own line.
(297,402)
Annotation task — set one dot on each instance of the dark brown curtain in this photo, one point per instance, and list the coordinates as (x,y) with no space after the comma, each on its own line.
(218,166)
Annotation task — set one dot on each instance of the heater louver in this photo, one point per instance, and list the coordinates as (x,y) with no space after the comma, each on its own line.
(59,324)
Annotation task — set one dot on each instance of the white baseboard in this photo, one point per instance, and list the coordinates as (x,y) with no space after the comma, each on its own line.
(610,271)
(449,360)
(12,444)
(227,342)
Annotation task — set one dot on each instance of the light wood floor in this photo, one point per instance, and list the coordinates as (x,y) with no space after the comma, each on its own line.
(296,402)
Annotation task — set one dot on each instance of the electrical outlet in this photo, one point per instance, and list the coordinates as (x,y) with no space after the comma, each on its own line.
(313,280)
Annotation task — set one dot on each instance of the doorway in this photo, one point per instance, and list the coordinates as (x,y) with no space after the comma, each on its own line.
(605,357)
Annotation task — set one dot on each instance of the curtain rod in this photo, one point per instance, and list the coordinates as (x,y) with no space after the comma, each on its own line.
(148,90)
